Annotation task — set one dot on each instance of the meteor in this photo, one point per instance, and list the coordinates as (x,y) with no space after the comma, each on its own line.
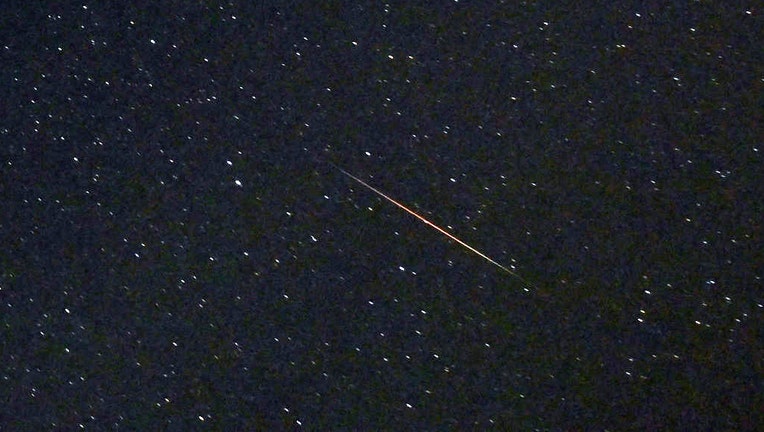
(432,225)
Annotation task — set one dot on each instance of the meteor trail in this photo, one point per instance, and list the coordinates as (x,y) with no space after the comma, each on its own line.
(439,229)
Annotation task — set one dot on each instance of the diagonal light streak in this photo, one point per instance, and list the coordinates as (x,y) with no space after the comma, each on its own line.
(432,225)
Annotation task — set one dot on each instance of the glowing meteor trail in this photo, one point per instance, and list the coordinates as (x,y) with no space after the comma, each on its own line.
(439,229)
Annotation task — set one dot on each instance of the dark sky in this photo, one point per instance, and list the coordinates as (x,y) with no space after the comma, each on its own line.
(180,252)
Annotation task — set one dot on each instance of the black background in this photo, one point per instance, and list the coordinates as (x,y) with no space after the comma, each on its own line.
(610,153)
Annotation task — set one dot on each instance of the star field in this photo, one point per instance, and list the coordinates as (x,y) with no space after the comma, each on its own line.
(181,252)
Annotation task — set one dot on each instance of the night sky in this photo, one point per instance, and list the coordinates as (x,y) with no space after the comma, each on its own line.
(181,250)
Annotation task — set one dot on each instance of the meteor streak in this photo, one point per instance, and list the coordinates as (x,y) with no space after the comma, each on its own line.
(432,225)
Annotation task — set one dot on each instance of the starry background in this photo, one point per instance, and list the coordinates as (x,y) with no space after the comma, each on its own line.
(179,252)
